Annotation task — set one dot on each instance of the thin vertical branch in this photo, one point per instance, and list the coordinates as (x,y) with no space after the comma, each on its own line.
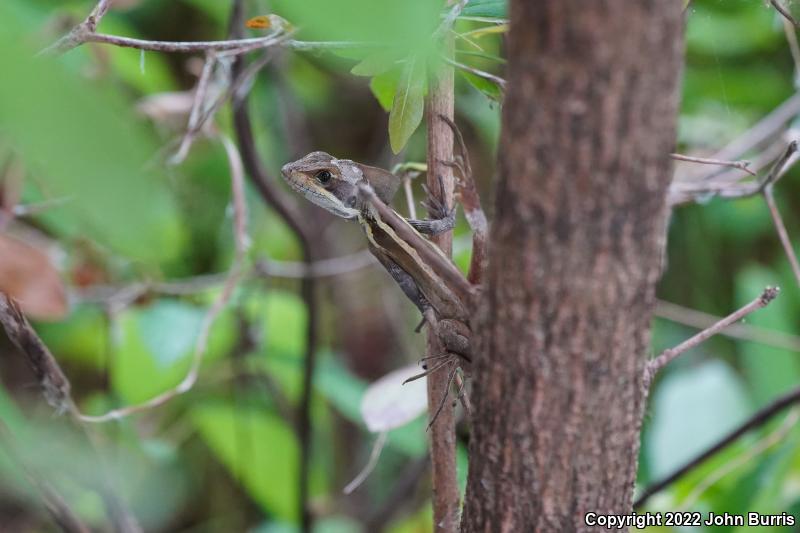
(273,198)
(440,103)
(784,12)
(198,105)
(780,228)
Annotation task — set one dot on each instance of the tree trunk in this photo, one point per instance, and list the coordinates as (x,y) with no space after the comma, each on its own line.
(575,251)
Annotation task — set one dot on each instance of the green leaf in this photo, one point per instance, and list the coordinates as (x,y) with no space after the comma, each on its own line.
(147,361)
(383,87)
(486,8)
(266,463)
(487,87)
(375,63)
(89,147)
(169,329)
(281,316)
(692,409)
(708,30)
(408,104)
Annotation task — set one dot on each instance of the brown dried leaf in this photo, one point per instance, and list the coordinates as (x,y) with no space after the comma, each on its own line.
(28,276)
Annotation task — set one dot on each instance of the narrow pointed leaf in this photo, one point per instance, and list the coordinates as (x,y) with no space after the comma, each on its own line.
(408,104)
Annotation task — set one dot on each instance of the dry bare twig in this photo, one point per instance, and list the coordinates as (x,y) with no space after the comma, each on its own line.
(500,82)
(765,129)
(746,332)
(299,225)
(685,191)
(86,32)
(200,95)
(741,165)
(654,365)
(234,275)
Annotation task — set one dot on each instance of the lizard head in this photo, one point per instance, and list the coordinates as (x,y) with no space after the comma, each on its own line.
(327,182)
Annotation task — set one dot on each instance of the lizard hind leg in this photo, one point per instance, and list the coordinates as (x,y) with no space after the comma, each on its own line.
(455,336)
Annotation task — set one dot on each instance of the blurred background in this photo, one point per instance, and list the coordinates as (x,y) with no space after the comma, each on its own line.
(120,254)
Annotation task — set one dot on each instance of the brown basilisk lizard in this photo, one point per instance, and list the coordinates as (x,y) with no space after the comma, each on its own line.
(428,278)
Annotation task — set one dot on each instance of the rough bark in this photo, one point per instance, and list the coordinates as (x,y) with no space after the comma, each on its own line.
(575,251)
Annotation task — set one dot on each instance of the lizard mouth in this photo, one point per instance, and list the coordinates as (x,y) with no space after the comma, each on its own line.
(316,195)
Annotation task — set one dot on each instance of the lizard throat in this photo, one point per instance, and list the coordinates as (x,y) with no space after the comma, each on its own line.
(321,197)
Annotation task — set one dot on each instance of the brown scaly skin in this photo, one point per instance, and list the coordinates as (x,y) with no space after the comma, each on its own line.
(335,185)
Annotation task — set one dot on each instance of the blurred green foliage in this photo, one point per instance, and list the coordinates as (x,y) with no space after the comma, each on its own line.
(224,457)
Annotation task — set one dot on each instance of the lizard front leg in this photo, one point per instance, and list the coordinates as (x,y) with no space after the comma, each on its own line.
(443,220)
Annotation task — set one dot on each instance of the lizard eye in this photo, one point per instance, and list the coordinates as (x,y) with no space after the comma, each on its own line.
(324,176)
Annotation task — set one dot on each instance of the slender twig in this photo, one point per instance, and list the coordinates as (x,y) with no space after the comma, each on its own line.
(654,365)
(322,268)
(298,225)
(765,129)
(232,279)
(88,26)
(121,296)
(758,419)
(234,46)
(682,191)
(784,12)
(783,235)
(741,165)
(500,82)
(371,463)
(746,332)
(471,202)
(450,19)
(412,209)
(86,32)
(794,47)
(200,94)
